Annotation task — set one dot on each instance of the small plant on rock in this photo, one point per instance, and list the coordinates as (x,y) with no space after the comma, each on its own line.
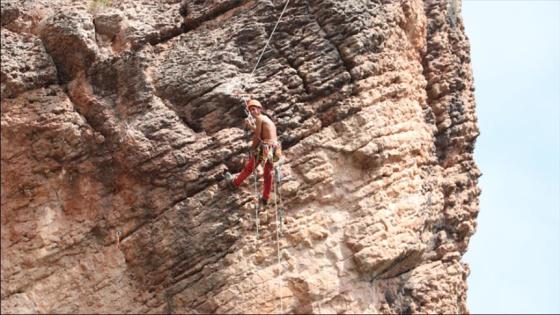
(96,5)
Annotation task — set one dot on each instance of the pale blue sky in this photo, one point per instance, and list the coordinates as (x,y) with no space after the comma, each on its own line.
(515,253)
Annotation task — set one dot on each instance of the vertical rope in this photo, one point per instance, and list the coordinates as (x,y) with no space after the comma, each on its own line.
(245,98)
(278,219)
(257,196)
(269,38)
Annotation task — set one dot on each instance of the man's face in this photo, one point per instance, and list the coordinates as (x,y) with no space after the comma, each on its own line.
(254,110)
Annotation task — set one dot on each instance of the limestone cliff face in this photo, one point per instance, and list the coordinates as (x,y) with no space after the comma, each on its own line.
(119,119)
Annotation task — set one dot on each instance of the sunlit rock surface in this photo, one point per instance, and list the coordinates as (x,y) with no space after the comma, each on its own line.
(119,119)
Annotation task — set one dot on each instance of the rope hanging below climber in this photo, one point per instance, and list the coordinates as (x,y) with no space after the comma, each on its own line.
(266,150)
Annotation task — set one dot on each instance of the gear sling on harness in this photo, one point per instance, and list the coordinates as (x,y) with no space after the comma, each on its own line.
(266,155)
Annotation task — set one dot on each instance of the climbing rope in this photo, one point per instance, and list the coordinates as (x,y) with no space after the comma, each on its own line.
(118,237)
(245,99)
(266,46)
(278,228)
(275,184)
(257,196)
(278,179)
(278,219)
(270,37)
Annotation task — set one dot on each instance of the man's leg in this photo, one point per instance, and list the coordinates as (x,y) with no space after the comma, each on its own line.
(267,180)
(247,170)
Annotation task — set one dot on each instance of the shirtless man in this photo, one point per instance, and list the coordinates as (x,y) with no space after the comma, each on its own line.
(265,148)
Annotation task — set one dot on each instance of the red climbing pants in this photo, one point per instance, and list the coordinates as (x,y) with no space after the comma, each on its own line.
(248,169)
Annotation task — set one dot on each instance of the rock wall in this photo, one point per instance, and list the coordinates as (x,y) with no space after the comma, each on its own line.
(119,118)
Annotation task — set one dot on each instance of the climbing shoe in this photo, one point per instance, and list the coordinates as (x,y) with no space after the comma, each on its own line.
(264,202)
(229,180)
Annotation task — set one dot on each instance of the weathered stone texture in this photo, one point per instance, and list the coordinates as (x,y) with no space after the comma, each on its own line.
(118,122)
(9,12)
(25,64)
(70,39)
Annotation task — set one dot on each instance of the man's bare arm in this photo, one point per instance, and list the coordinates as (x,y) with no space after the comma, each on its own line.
(249,124)
(257,133)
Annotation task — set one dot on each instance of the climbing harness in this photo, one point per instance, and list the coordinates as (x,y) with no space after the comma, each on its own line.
(265,153)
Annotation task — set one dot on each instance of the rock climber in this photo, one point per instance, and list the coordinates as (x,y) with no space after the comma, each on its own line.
(265,148)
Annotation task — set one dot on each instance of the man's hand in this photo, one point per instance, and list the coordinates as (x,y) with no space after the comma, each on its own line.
(249,123)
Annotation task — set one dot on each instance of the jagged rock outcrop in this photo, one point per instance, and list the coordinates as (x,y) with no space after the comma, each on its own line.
(25,64)
(119,119)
